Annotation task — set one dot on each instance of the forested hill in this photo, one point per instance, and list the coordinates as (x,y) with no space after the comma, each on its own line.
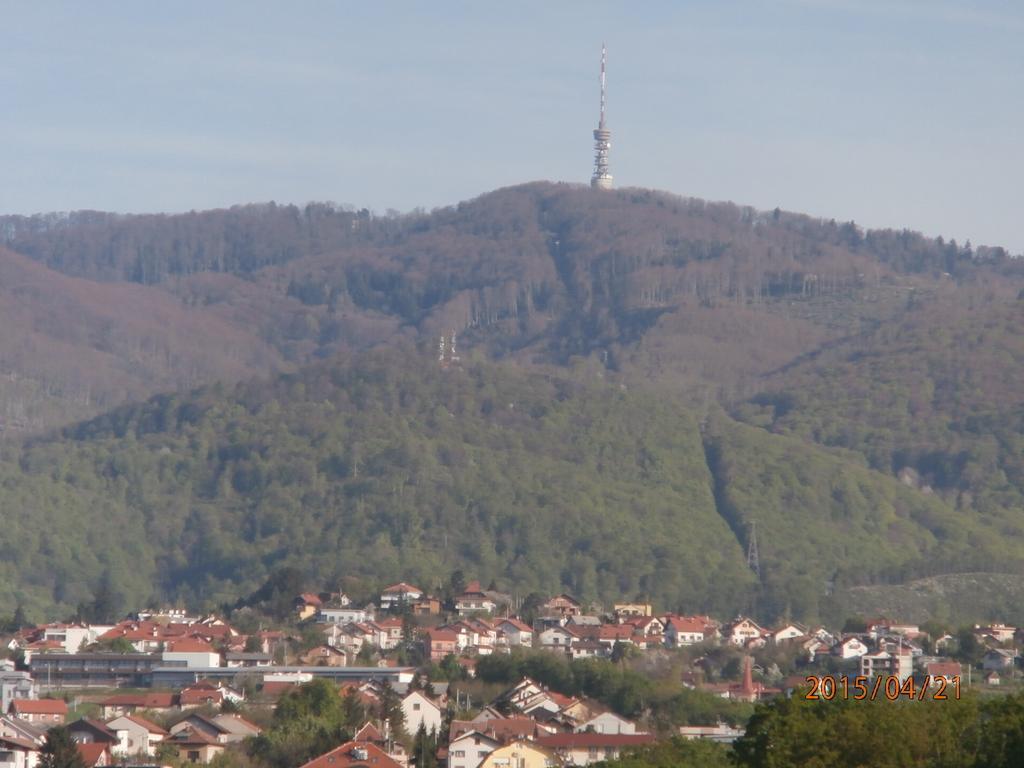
(858,391)
(695,296)
(386,467)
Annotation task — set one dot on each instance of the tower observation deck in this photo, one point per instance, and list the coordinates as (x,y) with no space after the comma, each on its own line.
(602,179)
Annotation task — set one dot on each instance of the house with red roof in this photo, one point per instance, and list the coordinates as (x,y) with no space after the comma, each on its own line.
(95,754)
(438,643)
(136,736)
(195,652)
(398,595)
(128,703)
(589,747)
(474,600)
(512,632)
(194,746)
(40,711)
(352,754)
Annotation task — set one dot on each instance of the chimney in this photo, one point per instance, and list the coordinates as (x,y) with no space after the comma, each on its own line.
(748,676)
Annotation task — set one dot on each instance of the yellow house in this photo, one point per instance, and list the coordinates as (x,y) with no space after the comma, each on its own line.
(522,754)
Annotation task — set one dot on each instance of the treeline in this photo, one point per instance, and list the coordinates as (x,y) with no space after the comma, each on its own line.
(656,695)
(148,248)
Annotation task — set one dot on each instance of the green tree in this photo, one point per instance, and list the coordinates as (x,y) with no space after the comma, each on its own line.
(60,750)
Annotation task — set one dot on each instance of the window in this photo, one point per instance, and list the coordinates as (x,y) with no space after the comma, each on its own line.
(193,756)
(459,753)
(416,707)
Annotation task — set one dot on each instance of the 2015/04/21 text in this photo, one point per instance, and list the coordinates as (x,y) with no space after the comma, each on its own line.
(829,687)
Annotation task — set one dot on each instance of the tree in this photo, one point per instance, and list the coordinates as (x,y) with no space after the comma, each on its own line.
(424,751)
(457,582)
(60,750)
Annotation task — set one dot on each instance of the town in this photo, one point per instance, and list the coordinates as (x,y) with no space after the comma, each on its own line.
(470,680)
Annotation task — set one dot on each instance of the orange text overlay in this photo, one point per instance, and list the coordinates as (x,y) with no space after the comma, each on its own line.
(890,687)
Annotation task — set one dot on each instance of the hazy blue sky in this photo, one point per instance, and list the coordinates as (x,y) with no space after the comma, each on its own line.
(899,113)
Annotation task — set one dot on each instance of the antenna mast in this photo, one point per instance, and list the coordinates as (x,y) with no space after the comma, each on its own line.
(602,178)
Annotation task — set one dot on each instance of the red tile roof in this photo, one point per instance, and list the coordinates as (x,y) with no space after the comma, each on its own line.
(589,739)
(400,588)
(348,754)
(92,752)
(190,645)
(140,700)
(39,706)
(151,727)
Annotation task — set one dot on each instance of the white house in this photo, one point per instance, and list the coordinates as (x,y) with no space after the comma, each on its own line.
(195,653)
(399,594)
(420,710)
(136,736)
(470,749)
(851,648)
(556,637)
(18,753)
(515,632)
(342,616)
(607,722)
(684,630)
(788,632)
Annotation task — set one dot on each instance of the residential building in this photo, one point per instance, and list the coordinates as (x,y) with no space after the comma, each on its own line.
(897,663)
(513,632)
(607,722)
(398,595)
(419,710)
(46,712)
(474,600)
(136,736)
(522,754)
(18,753)
(352,754)
(587,748)
(438,643)
(469,749)
(195,653)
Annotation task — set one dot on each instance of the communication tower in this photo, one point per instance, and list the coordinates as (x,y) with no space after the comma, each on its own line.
(602,179)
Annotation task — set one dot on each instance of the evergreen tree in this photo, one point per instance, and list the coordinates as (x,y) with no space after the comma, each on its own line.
(60,750)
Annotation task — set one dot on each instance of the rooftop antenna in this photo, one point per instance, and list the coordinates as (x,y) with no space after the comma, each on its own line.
(602,179)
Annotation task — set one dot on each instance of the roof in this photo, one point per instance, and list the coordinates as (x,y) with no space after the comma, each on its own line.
(348,754)
(96,726)
(517,624)
(441,635)
(944,668)
(12,741)
(40,706)
(189,645)
(369,732)
(309,599)
(587,739)
(141,700)
(235,724)
(400,588)
(149,726)
(193,737)
(501,728)
(91,752)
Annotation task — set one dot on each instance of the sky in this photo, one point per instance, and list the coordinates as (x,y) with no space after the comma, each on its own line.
(895,113)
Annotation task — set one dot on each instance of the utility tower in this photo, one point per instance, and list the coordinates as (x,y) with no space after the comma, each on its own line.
(446,355)
(602,179)
(753,561)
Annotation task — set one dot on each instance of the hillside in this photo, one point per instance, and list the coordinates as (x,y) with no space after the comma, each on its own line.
(934,398)
(384,466)
(645,376)
(685,295)
(73,348)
